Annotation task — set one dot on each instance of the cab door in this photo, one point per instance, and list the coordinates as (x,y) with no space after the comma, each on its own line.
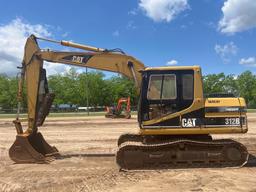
(164,93)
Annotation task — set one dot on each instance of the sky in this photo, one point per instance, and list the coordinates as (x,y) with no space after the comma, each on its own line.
(220,36)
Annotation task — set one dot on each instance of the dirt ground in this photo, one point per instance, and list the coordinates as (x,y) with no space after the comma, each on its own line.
(88,147)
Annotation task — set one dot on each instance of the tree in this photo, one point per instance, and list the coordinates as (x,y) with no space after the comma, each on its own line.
(230,85)
(214,83)
(122,87)
(219,83)
(97,88)
(65,87)
(247,88)
(8,92)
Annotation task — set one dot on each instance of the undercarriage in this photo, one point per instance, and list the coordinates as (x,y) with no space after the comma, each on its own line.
(146,152)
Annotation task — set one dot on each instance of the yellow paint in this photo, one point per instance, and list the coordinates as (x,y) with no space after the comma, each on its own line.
(188,131)
(224,102)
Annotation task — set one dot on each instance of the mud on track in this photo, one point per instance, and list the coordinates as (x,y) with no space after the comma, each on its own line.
(88,147)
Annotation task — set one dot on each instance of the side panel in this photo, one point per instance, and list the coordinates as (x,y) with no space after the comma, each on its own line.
(226,112)
(202,122)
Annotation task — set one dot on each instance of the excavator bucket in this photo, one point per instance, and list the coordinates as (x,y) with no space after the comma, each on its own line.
(32,149)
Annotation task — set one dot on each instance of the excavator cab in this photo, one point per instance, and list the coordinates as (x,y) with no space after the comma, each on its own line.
(166,92)
(172,102)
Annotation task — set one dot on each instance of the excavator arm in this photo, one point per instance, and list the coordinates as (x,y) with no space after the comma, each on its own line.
(102,59)
(39,99)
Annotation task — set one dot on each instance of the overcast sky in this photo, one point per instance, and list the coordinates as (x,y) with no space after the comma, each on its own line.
(218,35)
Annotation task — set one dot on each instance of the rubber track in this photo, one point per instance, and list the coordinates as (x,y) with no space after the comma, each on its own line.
(139,150)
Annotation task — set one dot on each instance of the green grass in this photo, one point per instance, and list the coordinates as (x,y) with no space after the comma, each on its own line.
(11,116)
(251,110)
(67,114)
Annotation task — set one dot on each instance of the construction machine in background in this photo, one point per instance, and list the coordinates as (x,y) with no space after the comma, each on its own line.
(120,111)
(176,121)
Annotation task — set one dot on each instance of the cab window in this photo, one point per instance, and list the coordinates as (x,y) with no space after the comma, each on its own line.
(187,83)
(162,87)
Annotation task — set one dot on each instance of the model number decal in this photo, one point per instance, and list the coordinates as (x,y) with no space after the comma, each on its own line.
(188,122)
(232,121)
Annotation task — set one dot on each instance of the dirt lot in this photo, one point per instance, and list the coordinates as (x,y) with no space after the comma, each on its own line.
(88,147)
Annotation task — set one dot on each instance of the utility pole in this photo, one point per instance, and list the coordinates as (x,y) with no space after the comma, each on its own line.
(87,92)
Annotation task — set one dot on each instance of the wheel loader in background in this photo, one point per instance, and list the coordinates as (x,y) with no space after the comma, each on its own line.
(175,119)
(120,111)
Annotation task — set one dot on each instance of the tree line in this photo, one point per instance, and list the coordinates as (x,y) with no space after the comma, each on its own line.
(73,88)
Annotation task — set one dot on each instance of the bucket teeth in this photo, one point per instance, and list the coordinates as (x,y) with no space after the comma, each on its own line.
(32,149)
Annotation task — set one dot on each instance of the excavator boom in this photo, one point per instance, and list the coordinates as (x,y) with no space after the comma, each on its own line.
(30,145)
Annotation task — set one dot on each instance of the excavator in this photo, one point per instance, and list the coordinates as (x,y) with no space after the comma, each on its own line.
(118,111)
(176,121)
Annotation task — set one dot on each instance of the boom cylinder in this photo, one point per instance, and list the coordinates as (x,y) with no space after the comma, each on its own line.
(74,45)
(80,46)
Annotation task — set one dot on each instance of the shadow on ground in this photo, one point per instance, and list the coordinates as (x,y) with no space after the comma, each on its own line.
(87,155)
(251,161)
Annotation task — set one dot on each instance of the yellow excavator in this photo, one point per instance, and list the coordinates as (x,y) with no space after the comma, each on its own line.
(175,119)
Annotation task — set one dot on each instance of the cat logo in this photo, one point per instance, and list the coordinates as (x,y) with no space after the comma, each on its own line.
(77,59)
(188,122)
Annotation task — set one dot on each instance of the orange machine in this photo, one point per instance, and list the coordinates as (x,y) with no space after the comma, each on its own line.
(120,111)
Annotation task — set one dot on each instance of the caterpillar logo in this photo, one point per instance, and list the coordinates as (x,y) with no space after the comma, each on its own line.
(188,122)
(77,59)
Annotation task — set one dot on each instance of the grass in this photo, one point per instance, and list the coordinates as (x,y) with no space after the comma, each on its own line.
(67,114)
(251,110)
